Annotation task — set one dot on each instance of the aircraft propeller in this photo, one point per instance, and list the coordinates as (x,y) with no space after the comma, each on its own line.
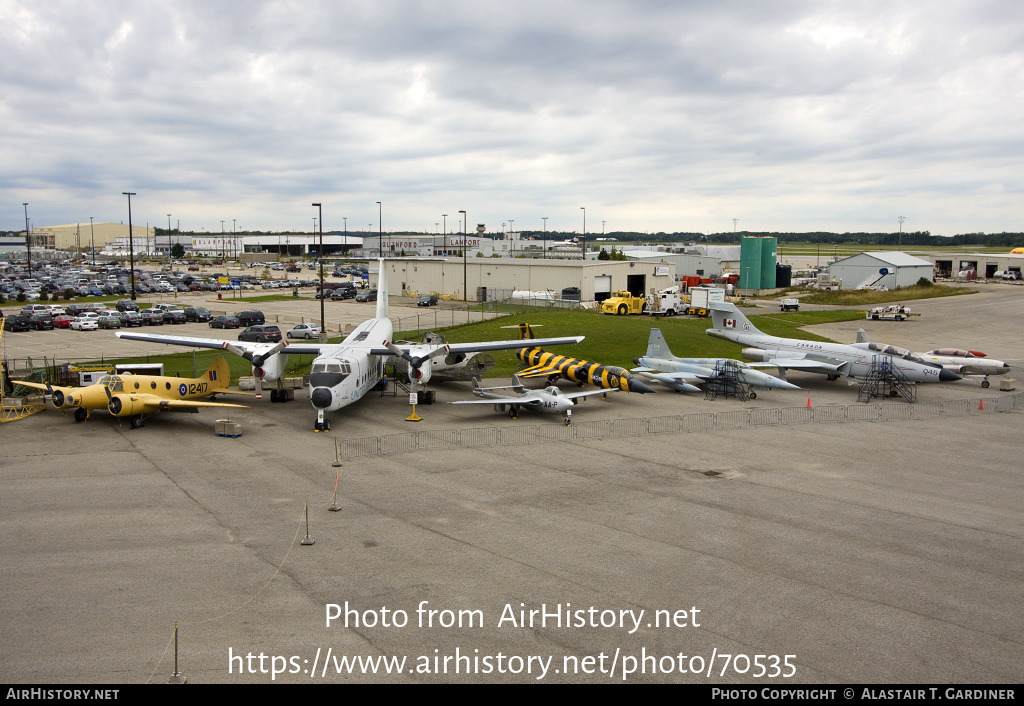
(257,360)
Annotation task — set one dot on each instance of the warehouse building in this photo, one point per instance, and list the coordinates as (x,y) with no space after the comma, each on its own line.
(880,269)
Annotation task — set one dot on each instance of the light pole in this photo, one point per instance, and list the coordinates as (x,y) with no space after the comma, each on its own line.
(344,238)
(583,245)
(28,240)
(901,219)
(320,259)
(169,246)
(92,239)
(545,219)
(465,267)
(131,241)
(444,229)
(380,227)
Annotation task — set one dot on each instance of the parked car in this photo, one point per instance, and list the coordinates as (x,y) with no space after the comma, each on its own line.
(251,318)
(130,318)
(17,322)
(63,321)
(109,320)
(224,322)
(197,313)
(304,331)
(370,295)
(127,305)
(84,323)
(42,321)
(151,317)
(174,316)
(261,334)
(427,300)
(343,293)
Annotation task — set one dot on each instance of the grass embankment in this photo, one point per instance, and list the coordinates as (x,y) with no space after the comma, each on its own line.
(856,297)
(617,340)
(611,340)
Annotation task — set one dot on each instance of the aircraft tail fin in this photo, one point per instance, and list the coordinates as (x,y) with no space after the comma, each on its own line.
(862,336)
(728,318)
(657,347)
(525,332)
(219,373)
(382,291)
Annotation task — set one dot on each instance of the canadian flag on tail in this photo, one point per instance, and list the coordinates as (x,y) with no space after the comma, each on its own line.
(729,323)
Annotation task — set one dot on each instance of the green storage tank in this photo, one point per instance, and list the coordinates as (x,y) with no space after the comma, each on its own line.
(769,256)
(750,262)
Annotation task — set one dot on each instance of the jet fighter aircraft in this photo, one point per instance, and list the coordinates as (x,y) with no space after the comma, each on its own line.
(550,399)
(832,359)
(682,374)
(959,361)
(138,396)
(552,366)
(343,373)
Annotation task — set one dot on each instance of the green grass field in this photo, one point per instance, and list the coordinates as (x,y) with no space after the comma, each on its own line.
(611,340)
(871,297)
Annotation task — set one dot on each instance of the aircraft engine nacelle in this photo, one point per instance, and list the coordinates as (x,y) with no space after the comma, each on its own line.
(421,373)
(272,368)
(758,355)
(125,406)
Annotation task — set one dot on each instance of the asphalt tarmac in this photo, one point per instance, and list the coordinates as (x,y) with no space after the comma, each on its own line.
(777,555)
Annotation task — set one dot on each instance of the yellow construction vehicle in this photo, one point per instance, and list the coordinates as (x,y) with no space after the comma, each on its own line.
(622,303)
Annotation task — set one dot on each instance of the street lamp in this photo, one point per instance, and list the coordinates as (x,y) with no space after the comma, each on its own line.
(901,219)
(444,229)
(169,246)
(131,241)
(465,267)
(545,219)
(28,240)
(320,258)
(92,239)
(583,243)
(380,226)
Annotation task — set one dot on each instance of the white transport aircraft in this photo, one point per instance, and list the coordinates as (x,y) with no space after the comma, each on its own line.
(835,360)
(343,373)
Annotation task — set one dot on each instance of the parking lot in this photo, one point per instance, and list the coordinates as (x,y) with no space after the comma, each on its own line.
(860,552)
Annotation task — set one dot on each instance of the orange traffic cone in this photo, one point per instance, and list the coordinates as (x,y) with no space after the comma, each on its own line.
(808,403)
(981,405)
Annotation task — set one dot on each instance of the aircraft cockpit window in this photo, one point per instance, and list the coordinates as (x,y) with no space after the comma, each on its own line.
(334,367)
(874,347)
(319,368)
(893,350)
(553,391)
(113,382)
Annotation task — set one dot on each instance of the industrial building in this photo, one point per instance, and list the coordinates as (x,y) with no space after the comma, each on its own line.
(886,269)
(495,279)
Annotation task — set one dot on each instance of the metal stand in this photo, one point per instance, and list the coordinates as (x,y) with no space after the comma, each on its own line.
(727,382)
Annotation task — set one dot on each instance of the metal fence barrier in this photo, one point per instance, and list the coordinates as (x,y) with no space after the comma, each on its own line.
(686,423)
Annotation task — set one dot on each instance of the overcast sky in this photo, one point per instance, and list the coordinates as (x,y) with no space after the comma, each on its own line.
(654,116)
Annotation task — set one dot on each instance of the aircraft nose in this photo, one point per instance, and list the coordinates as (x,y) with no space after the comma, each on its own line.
(321,398)
(946,375)
(637,386)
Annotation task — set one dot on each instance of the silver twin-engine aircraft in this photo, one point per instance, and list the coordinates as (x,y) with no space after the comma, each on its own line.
(344,372)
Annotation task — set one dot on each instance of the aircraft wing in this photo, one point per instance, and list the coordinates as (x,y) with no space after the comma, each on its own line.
(153,403)
(38,385)
(420,349)
(575,395)
(817,364)
(677,376)
(217,343)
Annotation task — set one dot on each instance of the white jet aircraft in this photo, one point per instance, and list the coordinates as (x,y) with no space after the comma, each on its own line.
(683,374)
(959,361)
(550,399)
(832,359)
(343,373)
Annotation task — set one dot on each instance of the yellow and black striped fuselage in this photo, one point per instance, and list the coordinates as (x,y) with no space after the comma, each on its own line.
(540,363)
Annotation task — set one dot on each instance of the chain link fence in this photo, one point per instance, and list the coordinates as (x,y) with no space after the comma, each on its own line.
(673,424)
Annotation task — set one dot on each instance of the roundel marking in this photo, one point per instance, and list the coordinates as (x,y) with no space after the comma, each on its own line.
(182,389)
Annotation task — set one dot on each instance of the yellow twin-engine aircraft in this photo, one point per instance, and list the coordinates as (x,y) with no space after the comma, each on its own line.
(138,396)
(552,366)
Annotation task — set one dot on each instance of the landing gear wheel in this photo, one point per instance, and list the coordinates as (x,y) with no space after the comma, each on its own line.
(273,396)
(81,414)
(832,377)
(428,397)
(512,414)
(753,395)
(135,421)
(986,384)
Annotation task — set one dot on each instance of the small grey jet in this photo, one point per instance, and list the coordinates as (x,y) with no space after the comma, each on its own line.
(683,374)
(550,399)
